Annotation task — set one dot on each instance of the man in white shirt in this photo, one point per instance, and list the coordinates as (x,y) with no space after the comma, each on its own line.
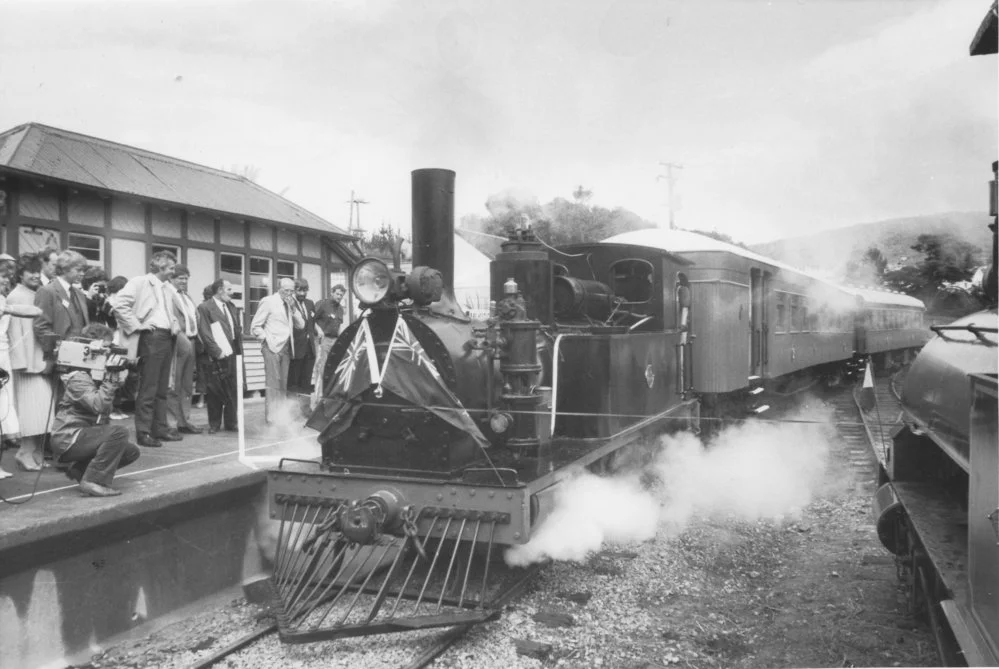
(273,323)
(143,309)
(185,354)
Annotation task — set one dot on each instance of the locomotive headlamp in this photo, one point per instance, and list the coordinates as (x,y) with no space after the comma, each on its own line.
(371,280)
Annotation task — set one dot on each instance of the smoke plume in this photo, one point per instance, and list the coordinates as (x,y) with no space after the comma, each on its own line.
(757,470)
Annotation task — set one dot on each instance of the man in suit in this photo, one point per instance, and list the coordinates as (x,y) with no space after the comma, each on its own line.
(64,307)
(185,353)
(144,310)
(304,359)
(273,323)
(218,358)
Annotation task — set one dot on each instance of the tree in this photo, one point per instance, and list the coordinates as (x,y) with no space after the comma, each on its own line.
(869,270)
(383,243)
(946,259)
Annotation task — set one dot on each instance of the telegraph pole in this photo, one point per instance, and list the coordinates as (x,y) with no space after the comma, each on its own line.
(670,182)
(355,203)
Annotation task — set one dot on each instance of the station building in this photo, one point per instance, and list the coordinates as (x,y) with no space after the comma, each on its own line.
(118,204)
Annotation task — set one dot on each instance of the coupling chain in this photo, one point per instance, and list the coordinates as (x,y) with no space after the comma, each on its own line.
(409,517)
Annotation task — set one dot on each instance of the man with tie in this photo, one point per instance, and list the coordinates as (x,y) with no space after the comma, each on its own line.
(144,309)
(64,307)
(185,353)
(276,317)
(300,368)
(219,332)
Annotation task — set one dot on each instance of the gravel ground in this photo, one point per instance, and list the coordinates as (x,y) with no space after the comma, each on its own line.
(816,591)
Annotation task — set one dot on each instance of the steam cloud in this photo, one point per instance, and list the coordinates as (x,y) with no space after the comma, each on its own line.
(750,472)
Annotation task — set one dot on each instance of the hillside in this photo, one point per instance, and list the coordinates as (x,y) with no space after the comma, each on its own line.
(830,250)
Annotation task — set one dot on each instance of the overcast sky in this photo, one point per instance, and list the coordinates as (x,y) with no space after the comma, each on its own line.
(787,116)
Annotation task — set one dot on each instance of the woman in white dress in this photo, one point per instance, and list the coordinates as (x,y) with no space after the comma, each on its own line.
(32,388)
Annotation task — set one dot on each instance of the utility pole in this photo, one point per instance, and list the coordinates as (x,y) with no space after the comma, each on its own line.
(670,181)
(355,203)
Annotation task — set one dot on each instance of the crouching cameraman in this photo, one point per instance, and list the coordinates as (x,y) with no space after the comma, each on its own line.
(81,434)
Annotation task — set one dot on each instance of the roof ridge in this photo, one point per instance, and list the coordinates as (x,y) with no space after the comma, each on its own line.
(71,134)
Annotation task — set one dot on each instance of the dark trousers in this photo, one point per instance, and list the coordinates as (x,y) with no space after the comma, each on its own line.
(102,449)
(156,354)
(220,393)
(300,374)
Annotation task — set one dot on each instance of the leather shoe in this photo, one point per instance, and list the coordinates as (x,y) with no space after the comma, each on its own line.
(172,435)
(212,430)
(96,490)
(189,429)
(146,439)
(231,429)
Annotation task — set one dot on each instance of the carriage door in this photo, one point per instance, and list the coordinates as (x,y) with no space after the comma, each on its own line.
(756,323)
(759,324)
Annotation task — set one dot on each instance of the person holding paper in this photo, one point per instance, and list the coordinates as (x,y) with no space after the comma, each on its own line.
(219,331)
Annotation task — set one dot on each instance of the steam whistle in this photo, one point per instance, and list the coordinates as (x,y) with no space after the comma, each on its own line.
(520,368)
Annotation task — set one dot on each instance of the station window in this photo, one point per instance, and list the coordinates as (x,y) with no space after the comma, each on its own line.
(260,281)
(231,269)
(632,280)
(284,269)
(169,248)
(90,247)
(32,239)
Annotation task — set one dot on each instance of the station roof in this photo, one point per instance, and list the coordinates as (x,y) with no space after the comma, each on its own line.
(44,151)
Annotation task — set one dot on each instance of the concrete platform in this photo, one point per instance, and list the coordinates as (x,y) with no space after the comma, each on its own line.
(77,571)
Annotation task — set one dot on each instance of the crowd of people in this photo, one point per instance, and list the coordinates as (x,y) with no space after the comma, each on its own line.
(57,412)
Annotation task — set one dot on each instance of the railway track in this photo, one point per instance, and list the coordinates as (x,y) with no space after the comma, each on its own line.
(439,645)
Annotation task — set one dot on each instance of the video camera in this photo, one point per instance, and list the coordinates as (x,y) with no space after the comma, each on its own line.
(94,356)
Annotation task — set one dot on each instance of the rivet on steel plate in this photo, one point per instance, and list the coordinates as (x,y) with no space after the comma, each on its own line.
(453,491)
(491,494)
(471,493)
(439,497)
(516,535)
(509,495)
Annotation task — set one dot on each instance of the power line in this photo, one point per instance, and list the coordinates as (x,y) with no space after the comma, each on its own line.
(355,203)
(670,182)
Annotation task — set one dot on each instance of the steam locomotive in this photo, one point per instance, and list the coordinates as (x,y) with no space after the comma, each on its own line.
(445,439)
(937,507)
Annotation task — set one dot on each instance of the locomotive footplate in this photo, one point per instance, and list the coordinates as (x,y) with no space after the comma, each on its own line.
(359,556)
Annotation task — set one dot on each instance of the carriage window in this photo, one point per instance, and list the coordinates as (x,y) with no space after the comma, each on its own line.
(632,280)
(795,313)
(781,325)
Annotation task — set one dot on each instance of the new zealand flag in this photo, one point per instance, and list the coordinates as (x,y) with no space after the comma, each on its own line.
(406,371)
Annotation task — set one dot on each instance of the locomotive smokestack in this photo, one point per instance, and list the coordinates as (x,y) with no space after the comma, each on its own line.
(433,223)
